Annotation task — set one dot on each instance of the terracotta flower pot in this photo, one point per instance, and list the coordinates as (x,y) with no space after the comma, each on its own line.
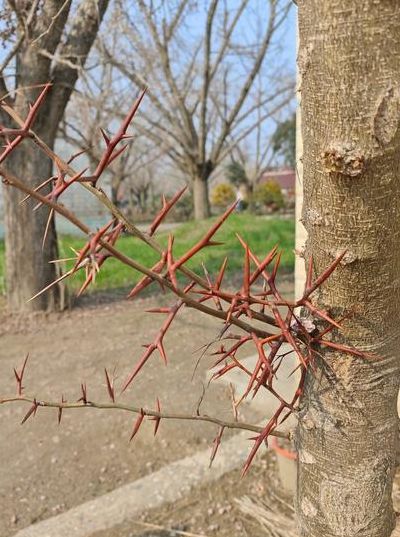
(286,458)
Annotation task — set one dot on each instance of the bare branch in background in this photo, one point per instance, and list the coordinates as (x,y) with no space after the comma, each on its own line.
(201,85)
(49,42)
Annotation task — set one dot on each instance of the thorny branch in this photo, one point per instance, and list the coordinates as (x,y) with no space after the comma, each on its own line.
(254,316)
(158,415)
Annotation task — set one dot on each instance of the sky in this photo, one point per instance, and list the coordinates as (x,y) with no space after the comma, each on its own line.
(290,38)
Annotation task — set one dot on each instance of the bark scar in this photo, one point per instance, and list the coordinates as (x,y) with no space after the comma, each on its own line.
(386,120)
(344,160)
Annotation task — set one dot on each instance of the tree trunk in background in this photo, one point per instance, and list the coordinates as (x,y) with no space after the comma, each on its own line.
(200,198)
(115,186)
(348,425)
(27,266)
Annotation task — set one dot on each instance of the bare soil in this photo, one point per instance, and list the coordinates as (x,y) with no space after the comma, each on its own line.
(210,510)
(46,469)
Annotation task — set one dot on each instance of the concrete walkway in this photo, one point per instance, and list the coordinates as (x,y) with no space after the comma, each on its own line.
(169,484)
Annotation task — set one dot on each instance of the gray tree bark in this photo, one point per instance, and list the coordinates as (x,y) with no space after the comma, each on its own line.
(301,235)
(201,201)
(27,265)
(44,56)
(347,435)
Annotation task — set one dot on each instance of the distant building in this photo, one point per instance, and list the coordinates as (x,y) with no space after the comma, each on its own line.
(286,179)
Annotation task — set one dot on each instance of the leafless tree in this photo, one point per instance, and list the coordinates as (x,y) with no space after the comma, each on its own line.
(133,174)
(200,63)
(255,154)
(46,42)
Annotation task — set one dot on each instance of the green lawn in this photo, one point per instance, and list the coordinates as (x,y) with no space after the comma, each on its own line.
(260,233)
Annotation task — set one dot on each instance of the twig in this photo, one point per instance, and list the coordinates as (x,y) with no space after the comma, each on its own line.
(142,411)
(12,52)
(25,27)
(53,20)
(59,59)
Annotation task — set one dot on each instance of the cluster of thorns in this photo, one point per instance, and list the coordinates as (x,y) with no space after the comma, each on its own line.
(255,315)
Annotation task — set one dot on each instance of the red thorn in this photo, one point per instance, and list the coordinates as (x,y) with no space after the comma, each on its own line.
(19,376)
(217,442)
(221,273)
(324,276)
(221,350)
(246,273)
(346,350)
(263,436)
(75,155)
(142,284)
(161,350)
(166,207)
(110,386)
(146,280)
(105,136)
(109,154)
(221,372)
(84,394)
(137,425)
(117,153)
(149,351)
(206,239)
(170,262)
(321,314)
(32,410)
(60,409)
(157,419)
(287,334)
(276,267)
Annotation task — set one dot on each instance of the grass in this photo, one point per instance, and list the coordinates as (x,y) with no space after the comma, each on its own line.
(260,233)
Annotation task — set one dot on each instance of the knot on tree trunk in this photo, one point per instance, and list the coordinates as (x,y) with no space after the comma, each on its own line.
(344,160)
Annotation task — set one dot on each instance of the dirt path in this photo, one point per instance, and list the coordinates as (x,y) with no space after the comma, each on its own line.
(47,469)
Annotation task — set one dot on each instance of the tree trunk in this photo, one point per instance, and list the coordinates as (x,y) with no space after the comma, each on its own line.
(301,235)
(27,263)
(348,424)
(28,267)
(115,185)
(200,198)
